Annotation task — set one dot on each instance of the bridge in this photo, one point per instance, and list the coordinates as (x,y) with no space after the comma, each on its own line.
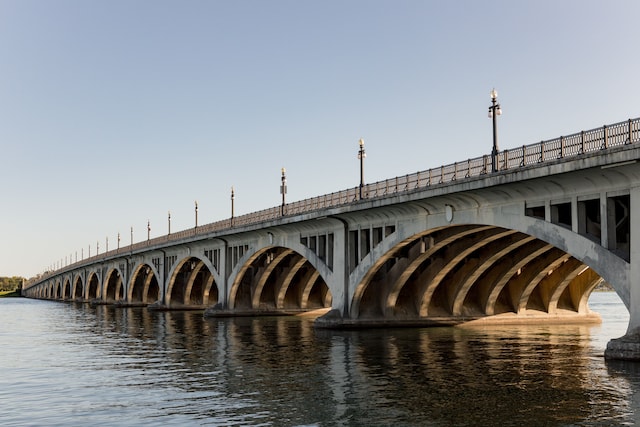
(524,234)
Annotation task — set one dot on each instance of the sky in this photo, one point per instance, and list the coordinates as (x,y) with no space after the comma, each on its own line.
(113,112)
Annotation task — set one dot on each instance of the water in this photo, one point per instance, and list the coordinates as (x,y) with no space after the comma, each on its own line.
(72,364)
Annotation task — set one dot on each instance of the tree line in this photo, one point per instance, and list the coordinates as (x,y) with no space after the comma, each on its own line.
(10,283)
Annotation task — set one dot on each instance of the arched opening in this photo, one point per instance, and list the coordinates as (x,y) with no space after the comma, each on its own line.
(465,272)
(192,286)
(280,280)
(94,287)
(114,289)
(144,286)
(67,290)
(78,289)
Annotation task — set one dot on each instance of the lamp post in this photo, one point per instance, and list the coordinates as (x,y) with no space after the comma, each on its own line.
(494,111)
(118,240)
(233,198)
(148,230)
(283,190)
(169,222)
(361,156)
(196,202)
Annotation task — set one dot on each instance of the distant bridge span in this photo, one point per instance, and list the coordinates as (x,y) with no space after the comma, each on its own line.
(449,245)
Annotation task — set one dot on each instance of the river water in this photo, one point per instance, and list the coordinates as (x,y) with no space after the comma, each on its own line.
(69,364)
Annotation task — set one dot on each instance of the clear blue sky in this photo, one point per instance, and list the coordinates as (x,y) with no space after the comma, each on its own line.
(114,112)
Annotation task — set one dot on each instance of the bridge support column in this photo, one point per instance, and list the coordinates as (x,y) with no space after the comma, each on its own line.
(628,346)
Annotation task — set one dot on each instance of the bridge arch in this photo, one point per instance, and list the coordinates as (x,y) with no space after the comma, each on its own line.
(465,271)
(608,264)
(59,290)
(93,289)
(277,278)
(78,288)
(66,292)
(144,287)
(192,283)
(113,286)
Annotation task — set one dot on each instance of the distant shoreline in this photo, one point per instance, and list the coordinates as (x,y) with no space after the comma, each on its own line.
(10,294)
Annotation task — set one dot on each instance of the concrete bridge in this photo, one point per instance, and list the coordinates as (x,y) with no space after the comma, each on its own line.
(454,244)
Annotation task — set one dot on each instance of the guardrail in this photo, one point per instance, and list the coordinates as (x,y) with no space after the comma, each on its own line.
(583,142)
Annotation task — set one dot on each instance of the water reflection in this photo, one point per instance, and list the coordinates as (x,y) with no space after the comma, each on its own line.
(176,368)
(282,371)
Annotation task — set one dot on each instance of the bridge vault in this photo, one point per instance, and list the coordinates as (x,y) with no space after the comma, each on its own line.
(528,243)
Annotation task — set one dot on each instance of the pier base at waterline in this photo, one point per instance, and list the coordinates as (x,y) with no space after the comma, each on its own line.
(626,347)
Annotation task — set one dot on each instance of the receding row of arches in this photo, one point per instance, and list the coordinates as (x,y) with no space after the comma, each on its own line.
(274,279)
(455,272)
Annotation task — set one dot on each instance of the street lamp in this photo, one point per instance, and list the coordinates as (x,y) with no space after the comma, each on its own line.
(233,198)
(148,230)
(283,189)
(196,213)
(494,111)
(361,156)
(169,220)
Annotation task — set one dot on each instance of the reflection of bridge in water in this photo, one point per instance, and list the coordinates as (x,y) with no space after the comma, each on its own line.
(443,246)
(406,376)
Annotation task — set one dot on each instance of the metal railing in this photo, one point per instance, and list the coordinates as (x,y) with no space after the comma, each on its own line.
(593,140)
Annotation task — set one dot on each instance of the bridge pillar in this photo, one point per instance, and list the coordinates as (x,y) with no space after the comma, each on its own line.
(628,346)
